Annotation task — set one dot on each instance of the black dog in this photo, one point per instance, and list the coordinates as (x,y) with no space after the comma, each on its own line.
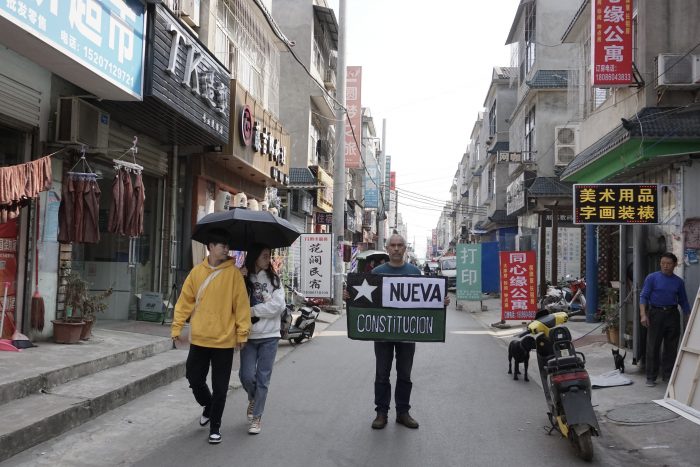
(619,360)
(519,350)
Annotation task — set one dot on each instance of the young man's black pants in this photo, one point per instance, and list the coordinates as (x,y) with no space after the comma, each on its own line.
(197,367)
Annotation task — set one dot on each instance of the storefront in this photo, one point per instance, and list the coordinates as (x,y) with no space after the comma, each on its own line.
(184,112)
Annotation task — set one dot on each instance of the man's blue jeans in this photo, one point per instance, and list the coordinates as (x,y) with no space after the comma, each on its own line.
(384,354)
(257,358)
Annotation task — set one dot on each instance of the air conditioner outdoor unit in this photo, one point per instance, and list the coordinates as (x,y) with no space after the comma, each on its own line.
(189,11)
(565,144)
(81,123)
(678,71)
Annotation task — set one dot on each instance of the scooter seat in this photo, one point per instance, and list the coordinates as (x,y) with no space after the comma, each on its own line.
(564,363)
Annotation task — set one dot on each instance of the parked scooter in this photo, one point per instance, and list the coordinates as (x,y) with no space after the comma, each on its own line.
(570,297)
(566,384)
(296,330)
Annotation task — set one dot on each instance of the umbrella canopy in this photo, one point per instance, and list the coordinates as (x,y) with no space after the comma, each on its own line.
(377,254)
(246,227)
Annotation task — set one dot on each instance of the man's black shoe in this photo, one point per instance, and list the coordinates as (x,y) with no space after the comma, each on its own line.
(406,420)
(380,421)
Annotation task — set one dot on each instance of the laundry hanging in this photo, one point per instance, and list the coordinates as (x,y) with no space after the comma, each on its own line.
(78,214)
(128,199)
(21,183)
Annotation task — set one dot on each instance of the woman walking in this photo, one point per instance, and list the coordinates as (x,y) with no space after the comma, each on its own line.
(257,357)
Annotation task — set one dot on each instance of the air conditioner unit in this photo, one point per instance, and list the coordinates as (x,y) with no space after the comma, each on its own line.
(189,11)
(678,71)
(81,123)
(565,144)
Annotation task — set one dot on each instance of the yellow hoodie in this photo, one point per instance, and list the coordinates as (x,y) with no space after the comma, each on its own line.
(222,318)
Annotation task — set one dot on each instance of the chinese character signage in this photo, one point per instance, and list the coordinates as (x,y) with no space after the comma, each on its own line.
(468,271)
(371,181)
(324,195)
(186,77)
(353,102)
(518,285)
(612,43)
(105,37)
(396,308)
(324,218)
(316,276)
(607,203)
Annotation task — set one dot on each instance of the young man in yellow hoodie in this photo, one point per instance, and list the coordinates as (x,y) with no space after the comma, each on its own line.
(215,299)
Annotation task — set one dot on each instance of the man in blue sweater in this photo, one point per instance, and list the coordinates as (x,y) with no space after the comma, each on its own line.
(384,351)
(661,294)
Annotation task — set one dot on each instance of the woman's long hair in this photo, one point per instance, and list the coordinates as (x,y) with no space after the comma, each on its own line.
(251,258)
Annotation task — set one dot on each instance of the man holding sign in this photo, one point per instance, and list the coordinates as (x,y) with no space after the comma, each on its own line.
(368,320)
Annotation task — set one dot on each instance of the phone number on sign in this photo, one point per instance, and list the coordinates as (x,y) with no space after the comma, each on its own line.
(104,63)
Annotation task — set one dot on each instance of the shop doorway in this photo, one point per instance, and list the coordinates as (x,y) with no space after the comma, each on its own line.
(130,266)
(14,145)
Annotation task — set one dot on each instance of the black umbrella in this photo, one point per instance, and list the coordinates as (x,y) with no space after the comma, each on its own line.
(246,227)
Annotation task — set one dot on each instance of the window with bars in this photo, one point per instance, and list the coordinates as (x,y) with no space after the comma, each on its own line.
(530,14)
(492,119)
(247,49)
(529,143)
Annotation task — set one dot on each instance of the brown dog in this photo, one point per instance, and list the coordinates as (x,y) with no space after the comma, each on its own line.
(519,350)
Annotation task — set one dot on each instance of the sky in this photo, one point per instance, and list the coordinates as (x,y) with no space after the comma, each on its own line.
(426,70)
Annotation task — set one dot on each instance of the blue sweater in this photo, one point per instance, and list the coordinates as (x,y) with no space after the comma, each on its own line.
(662,290)
(389,270)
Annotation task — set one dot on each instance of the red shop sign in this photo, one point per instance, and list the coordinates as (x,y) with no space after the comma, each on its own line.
(611,64)
(518,285)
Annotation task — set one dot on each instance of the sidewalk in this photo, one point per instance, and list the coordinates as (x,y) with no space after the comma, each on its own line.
(659,435)
(52,388)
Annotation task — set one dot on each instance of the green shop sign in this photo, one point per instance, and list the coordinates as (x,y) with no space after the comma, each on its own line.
(469,271)
(396,308)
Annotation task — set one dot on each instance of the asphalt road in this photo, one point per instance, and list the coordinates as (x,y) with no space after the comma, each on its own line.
(319,411)
(320,408)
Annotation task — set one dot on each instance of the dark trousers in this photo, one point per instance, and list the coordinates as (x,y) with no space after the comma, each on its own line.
(196,370)
(384,354)
(664,329)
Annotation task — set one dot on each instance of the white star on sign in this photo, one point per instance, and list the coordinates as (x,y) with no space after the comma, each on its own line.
(364,290)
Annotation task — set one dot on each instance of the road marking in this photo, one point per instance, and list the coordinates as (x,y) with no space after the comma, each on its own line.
(490,333)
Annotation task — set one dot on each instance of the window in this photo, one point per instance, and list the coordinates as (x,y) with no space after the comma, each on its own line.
(529,36)
(492,119)
(492,181)
(243,45)
(529,144)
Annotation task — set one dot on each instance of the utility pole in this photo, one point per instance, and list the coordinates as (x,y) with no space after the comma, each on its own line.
(381,223)
(339,167)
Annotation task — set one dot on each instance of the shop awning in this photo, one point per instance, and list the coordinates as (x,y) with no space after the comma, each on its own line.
(656,135)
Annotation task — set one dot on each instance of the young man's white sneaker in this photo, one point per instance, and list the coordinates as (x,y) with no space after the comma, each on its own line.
(204,419)
(249,410)
(214,437)
(255,426)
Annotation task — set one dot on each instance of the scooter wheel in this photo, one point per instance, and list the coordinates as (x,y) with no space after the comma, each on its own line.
(583,445)
(308,334)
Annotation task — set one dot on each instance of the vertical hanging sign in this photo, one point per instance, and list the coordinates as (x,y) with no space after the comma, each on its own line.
(315,271)
(611,25)
(518,285)
(353,102)
(469,271)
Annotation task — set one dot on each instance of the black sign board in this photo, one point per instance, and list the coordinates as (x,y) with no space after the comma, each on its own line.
(186,77)
(608,203)
(396,308)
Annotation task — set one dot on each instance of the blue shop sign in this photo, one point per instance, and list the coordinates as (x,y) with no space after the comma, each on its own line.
(104,36)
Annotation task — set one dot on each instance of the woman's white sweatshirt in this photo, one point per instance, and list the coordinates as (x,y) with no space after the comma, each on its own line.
(269,307)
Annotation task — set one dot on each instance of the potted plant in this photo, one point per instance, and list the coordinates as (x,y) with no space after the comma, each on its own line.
(81,306)
(610,313)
